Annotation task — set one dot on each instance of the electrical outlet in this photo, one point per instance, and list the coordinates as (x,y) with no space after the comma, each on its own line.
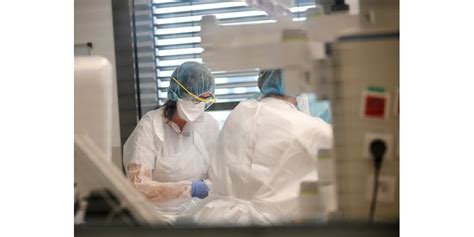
(386,190)
(386,137)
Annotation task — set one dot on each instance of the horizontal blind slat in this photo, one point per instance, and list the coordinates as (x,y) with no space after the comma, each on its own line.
(177,40)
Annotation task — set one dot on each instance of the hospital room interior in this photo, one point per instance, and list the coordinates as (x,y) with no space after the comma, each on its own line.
(236,118)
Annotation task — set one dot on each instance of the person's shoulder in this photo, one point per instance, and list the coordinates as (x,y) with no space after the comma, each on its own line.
(208,117)
(318,129)
(152,114)
(210,120)
(151,119)
(152,123)
(243,110)
(247,103)
(302,118)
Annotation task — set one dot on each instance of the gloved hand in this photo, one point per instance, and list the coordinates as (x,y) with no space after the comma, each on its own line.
(199,189)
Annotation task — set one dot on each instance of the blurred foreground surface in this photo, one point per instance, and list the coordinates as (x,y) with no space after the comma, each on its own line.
(331,229)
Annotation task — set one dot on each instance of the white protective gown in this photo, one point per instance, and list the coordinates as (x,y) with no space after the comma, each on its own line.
(264,151)
(161,161)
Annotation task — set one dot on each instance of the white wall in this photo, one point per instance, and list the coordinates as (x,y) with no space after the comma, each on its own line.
(93,22)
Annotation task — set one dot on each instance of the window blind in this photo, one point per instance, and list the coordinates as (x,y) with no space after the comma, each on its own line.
(144,56)
(177,39)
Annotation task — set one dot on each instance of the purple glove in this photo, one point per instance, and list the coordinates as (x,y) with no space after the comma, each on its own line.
(199,189)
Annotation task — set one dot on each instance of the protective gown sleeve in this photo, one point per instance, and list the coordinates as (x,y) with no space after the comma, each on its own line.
(157,191)
(140,151)
(210,133)
(318,136)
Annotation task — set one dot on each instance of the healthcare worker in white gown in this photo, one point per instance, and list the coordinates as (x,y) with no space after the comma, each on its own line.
(265,149)
(167,155)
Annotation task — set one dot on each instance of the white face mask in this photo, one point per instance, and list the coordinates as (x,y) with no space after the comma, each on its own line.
(189,111)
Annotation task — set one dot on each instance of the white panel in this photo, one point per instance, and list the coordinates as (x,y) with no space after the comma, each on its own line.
(178,30)
(219,16)
(167,63)
(93,101)
(187,40)
(171,52)
(249,22)
(198,7)
(93,23)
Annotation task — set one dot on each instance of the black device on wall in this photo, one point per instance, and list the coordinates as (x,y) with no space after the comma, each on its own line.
(377,150)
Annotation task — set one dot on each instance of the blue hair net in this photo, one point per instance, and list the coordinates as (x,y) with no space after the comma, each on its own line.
(271,82)
(195,77)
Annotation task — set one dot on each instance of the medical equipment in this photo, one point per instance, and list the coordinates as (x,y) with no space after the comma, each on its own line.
(361,92)
(93,169)
(350,60)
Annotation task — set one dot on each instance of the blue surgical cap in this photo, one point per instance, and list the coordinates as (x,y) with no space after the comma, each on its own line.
(271,82)
(195,77)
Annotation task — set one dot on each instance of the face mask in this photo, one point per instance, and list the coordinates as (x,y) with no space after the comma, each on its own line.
(189,110)
(308,104)
(302,102)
